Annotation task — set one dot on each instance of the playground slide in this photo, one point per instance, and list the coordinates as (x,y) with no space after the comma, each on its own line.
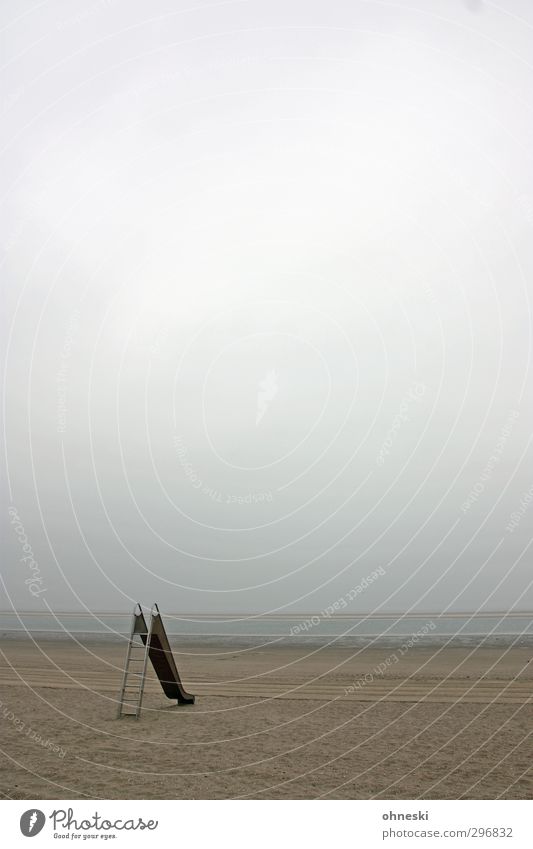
(161,657)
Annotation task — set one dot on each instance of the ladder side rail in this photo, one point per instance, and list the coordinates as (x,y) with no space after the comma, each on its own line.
(143,673)
(126,666)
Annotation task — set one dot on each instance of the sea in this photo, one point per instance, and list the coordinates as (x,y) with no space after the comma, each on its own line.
(296,629)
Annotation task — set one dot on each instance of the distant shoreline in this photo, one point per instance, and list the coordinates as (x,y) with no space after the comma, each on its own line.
(320,630)
(215,617)
(281,641)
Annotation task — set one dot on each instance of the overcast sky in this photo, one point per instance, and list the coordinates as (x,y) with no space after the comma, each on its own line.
(267,270)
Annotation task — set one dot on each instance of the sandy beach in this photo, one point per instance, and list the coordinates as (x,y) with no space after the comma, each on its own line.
(269,723)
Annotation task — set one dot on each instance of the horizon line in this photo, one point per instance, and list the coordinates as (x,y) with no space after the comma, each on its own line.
(249,614)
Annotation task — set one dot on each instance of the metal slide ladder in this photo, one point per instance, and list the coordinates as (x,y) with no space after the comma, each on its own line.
(131,694)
